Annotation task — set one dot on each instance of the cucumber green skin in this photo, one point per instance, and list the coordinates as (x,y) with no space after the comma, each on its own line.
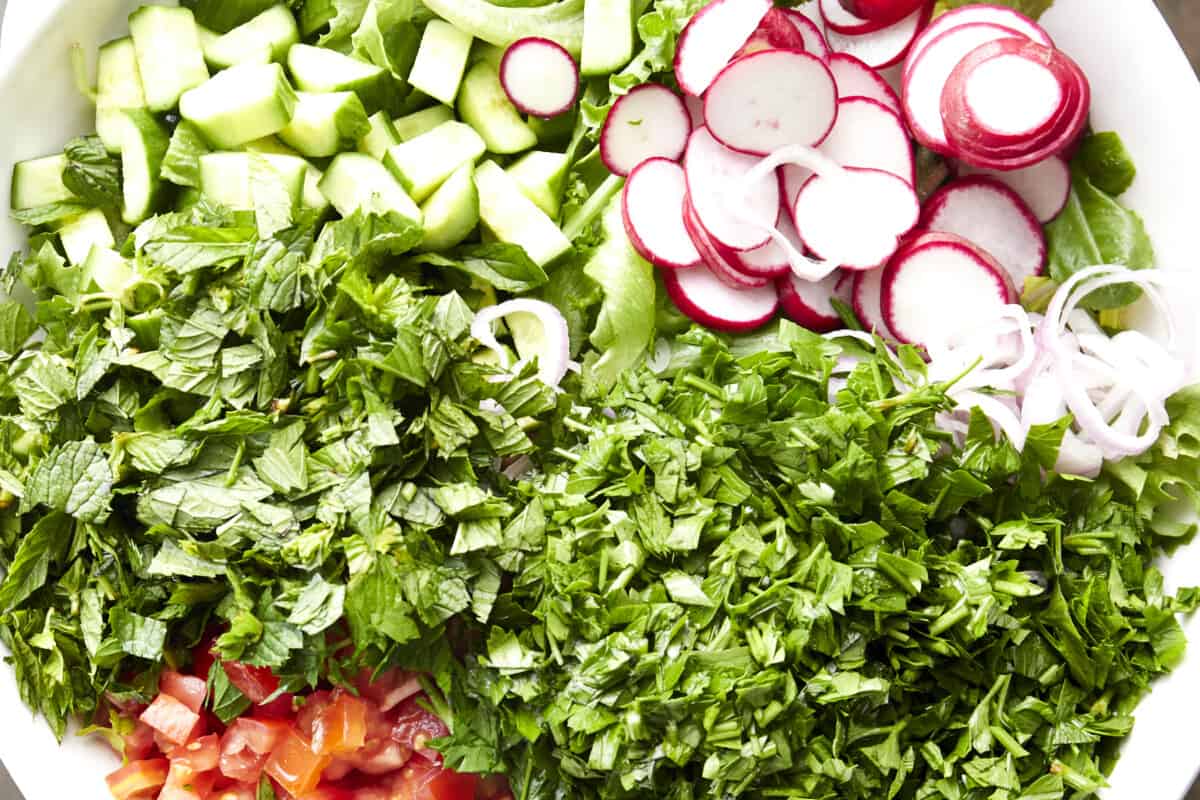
(356,181)
(381,135)
(554,131)
(514,218)
(118,86)
(167,71)
(452,212)
(441,60)
(81,234)
(326,135)
(540,176)
(607,36)
(38,182)
(413,125)
(422,164)
(483,104)
(233,127)
(310,68)
(314,15)
(142,154)
(223,16)
(274,30)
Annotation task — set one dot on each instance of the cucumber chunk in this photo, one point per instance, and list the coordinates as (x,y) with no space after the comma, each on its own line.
(540,175)
(513,217)
(169,57)
(225,15)
(316,69)
(452,212)
(229,178)
(312,197)
(421,164)
(39,182)
(80,234)
(326,124)
(379,137)
(240,104)
(356,181)
(143,148)
(118,87)
(413,125)
(441,60)
(484,106)
(607,36)
(273,31)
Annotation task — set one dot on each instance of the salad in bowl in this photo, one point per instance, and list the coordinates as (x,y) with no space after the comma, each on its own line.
(463,400)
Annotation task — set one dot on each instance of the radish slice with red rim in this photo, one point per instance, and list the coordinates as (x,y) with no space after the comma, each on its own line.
(713,173)
(712,38)
(1003,16)
(1011,95)
(839,19)
(811,32)
(867,299)
(884,11)
(770,260)
(771,99)
(856,79)
(886,46)
(856,219)
(721,261)
(809,303)
(775,32)
(652,205)
(1045,187)
(539,76)
(649,122)
(993,217)
(869,135)
(705,299)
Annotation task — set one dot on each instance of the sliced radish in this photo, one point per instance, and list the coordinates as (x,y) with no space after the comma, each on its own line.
(770,260)
(775,32)
(885,11)
(856,219)
(886,46)
(1011,96)
(927,77)
(1045,187)
(712,38)
(867,298)
(649,122)
(695,110)
(770,99)
(971,14)
(714,173)
(812,32)
(809,303)
(993,217)
(856,79)
(933,292)
(652,206)
(838,18)
(722,261)
(868,134)
(539,76)
(706,300)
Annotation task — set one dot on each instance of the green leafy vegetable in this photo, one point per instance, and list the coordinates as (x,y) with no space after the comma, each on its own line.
(91,173)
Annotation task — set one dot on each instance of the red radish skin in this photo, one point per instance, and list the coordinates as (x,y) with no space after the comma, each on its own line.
(712,38)
(652,207)
(811,32)
(885,11)
(650,121)
(1008,98)
(995,219)
(717,258)
(708,301)
(885,47)
(775,32)
(1045,187)
(808,303)
(771,99)
(988,13)
(540,77)
(934,291)
(770,260)
(856,79)
(867,298)
(714,176)
(870,135)
(856,219)
(838,18)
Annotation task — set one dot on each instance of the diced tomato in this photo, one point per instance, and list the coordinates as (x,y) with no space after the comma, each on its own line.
(325,792)
(423,781)
(203,655)
(139,743)
(246,746)
(338,768)
(187,689)
(279,708)
(295,765)
(138,777)
(390,688)
(199,755)
(173,719)
(341,726)
(257,683)
(381,757)
(239,791)
(415,727)
(492,787)
(187,784)
(314,705)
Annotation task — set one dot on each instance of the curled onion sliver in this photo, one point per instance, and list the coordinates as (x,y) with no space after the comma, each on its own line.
(554,362)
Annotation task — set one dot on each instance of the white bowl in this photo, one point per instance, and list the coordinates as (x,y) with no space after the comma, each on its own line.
(1143,87)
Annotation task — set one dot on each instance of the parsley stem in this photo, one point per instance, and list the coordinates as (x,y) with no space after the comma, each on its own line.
(701,385)
(567,454)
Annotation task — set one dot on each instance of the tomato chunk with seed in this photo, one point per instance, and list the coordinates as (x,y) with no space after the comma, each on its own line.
(421,780)
(257,683)
(246,746)
(186,784)
(341,726)
(172,718)
(294,764)
(239,791)
(200,755)
(388,689)
(414,727)
(137,778)
(187,689)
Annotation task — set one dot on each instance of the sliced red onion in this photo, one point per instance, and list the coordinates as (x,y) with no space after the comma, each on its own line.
(554,362)
(660,359)
(519,467)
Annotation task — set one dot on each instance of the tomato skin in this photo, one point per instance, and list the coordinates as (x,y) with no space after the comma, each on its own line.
(204,656)
(328,793)
(247,745)
(138,777)
(341,726)
(139,743)
(200,755)
(421,780)
(187,689)
(294,764)
(279,708)
(415,727)
(257,683)
(173,719)
(187,784)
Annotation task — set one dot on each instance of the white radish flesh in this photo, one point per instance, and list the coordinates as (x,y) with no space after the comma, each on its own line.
(722,261)
(1045,187)
(700,295)
(1013,96)
(539,76)
(712,38)
(715,175)
(933,293)
(855,219)
(770,99)
(867,298)
(649,122)
(856,79)
(993,217)
(1015,21)
(809,303)
(652,205)
(812,32)
(884,47)
(867,134)
(839,19)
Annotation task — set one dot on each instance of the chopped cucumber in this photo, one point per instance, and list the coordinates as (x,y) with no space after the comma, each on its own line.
(355,181)
(421,164)
(315,14)
(188,198)
(441,60)
(105,270)
(274,31)
(225,15)
(271,145)
(181,164)
(452,212)
(142,151)
(485,51)
(513,217)
(607,36)
(326,124)
(484,106)
(312,197)
(556,130)
(169,57)
(413,125)
(39,182)
(381,135)
(540,175)
(316,69)
(228,178)
(118,87)
(80,234)
(241,104)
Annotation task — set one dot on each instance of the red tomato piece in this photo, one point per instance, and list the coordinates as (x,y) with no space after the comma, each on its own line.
(139,743)
(199,755)
(173,719)
(313,706)
(187,689)
(414,727)
(294,764)
(326,792)
(239,791)
(390,688)
(381,757)
(279,708)
(138,777)
(203,655)
(424,781)
(257,683)
(186,784)
(493,787)
(341,726)
(246,746)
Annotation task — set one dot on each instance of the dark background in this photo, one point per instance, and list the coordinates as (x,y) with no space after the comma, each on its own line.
(1184,16)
